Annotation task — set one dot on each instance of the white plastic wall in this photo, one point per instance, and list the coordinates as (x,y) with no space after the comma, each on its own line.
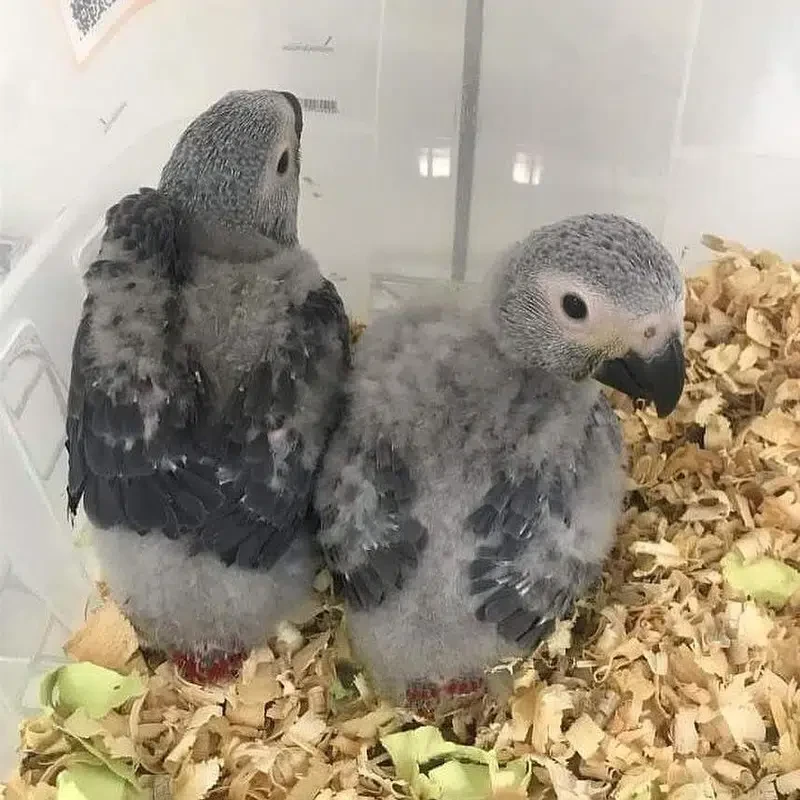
(684,114)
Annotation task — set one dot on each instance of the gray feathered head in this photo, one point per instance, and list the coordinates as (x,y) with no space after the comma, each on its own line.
(595,295)
(238,164)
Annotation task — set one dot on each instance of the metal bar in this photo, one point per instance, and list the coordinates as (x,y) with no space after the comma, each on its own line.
(467,136)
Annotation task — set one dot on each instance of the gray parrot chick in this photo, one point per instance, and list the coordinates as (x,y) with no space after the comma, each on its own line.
(207,376)
(472,491)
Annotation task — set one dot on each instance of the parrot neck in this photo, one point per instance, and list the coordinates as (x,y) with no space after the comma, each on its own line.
(204,208)
(283,231)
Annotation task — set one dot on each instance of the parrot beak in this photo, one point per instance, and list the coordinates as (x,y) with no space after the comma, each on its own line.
(658,379)
(298,113)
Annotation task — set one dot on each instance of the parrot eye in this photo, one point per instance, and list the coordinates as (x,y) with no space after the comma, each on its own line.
(574,307)
(283,163)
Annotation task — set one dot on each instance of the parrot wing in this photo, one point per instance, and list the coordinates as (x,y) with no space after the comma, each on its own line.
(146,449)
(370,540)
(529,568)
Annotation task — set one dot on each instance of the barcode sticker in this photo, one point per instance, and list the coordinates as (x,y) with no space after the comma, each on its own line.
(87,13)
(320,105)
(90,21)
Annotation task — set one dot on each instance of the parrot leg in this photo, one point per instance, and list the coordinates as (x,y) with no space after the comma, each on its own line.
(427,698)
(211,668)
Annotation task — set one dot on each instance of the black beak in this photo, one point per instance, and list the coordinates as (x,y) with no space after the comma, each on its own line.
(298,113)
(658,380)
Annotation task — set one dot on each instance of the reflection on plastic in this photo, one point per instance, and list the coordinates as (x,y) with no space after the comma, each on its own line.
(434,162)
(527,169)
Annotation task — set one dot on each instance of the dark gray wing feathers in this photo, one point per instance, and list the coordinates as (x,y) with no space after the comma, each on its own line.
(517,513)
(233,483)
(372,553)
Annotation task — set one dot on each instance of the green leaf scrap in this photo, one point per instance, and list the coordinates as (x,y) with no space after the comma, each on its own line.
(84,685)
(78,696)
(765,579)
(436,769)
(85,780)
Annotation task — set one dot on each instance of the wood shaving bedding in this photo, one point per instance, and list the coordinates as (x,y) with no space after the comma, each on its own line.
(680,678)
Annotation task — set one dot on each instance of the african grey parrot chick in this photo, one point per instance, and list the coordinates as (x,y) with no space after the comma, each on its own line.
(207,375)
(472,491)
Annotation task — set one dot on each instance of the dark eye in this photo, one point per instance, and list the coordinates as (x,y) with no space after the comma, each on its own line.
(283,163)
(574,307)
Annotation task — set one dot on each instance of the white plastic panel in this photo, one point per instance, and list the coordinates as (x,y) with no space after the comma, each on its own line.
(23,618)
(578,113)
(9,736)
(683,114)
(36,536)
(43,581)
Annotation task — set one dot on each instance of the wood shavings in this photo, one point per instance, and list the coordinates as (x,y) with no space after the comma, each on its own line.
(107,639)
(678,680)
(309,786)
(289,639)
(194,781)
(585,735)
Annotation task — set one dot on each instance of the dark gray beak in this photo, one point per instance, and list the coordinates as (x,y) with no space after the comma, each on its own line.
(298,112)
(658,380)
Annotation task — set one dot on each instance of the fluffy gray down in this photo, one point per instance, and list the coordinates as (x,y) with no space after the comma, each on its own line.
(206,378)
(471,493)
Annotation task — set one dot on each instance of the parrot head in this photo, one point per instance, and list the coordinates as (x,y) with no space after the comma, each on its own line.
(238,164)
(596,296)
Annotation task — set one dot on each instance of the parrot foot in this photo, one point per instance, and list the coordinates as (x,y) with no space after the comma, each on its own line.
(211,668)
(425,697)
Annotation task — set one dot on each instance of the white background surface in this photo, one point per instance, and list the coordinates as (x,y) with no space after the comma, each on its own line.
(684,114)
